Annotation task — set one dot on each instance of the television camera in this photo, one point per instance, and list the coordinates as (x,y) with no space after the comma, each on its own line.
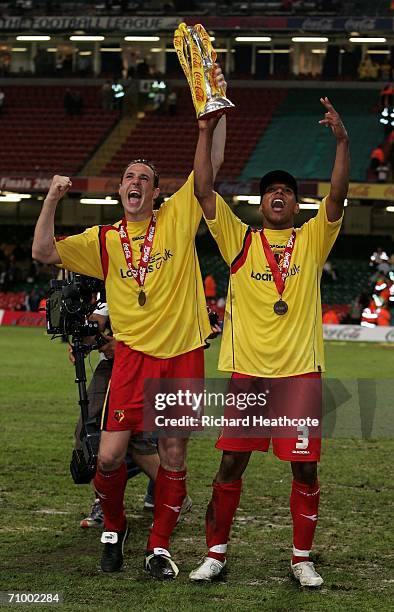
(70,303)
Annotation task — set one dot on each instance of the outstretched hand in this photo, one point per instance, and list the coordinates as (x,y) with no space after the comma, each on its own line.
(109,347)
(209,124)
(218,77)
(220,81)
(333,120)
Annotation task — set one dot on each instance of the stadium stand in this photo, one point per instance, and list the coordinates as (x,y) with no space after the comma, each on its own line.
(353,278)
(38,136)
(215,265)
(365,7)
(170,141)
(296,120)
(224,7)
(10,300)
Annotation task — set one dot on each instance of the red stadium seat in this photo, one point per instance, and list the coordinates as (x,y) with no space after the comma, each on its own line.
(38,135)
(170,141)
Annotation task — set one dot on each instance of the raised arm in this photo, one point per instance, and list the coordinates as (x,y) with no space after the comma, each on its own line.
(209,154)
(219,135)
(218,144)
(340,173)
(44,248)
(203,170)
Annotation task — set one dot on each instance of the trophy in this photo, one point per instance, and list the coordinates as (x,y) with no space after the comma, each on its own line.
(197,58)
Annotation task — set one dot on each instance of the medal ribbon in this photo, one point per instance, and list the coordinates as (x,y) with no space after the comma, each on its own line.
(140,273)
(279,274)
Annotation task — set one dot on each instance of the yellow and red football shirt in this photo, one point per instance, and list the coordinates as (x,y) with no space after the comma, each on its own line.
(174,319)
(256,341)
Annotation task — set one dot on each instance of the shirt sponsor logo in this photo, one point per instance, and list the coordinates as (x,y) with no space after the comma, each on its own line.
(155,263)
(267,276)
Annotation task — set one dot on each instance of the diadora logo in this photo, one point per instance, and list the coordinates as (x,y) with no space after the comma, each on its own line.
(311,517)
(155,263)
(267,276)
(174,508)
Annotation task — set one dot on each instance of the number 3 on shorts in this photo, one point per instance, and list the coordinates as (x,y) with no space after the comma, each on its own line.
(303,439)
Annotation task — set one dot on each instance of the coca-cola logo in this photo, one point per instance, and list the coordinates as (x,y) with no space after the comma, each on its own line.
(234,188)
(361,25)
(389,193)
(30,320)
(389,337)
(357,332)
(343,332)
(361,191)
(318,24)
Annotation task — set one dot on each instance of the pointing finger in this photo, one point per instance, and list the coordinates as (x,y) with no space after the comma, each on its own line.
(326,102)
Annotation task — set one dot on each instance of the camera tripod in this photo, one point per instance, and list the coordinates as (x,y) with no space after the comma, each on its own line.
(84,460)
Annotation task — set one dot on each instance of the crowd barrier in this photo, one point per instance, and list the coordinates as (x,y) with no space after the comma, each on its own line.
(348,333)
(22,318)
(358,333)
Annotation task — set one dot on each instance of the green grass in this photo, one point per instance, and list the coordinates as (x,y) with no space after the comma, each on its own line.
(43,549)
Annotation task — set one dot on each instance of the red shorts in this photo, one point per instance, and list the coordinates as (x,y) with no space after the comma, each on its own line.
(123,409)
(299,396)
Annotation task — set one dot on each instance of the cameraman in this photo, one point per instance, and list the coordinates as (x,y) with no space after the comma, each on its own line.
(142,453)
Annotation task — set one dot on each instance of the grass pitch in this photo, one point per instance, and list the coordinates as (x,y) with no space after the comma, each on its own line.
(44,550)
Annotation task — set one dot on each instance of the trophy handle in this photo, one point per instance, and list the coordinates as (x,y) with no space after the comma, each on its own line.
(182,45)
(206,60)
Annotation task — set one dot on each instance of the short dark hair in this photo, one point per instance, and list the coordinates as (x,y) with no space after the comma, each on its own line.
(146,162)
(278,176)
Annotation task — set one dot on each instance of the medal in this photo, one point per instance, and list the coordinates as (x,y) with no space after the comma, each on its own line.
(280,307)
(279,273)
(138,273)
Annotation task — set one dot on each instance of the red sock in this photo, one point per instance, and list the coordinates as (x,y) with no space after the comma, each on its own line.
(304,506)
(170,491)
(219,517)
(110,487)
